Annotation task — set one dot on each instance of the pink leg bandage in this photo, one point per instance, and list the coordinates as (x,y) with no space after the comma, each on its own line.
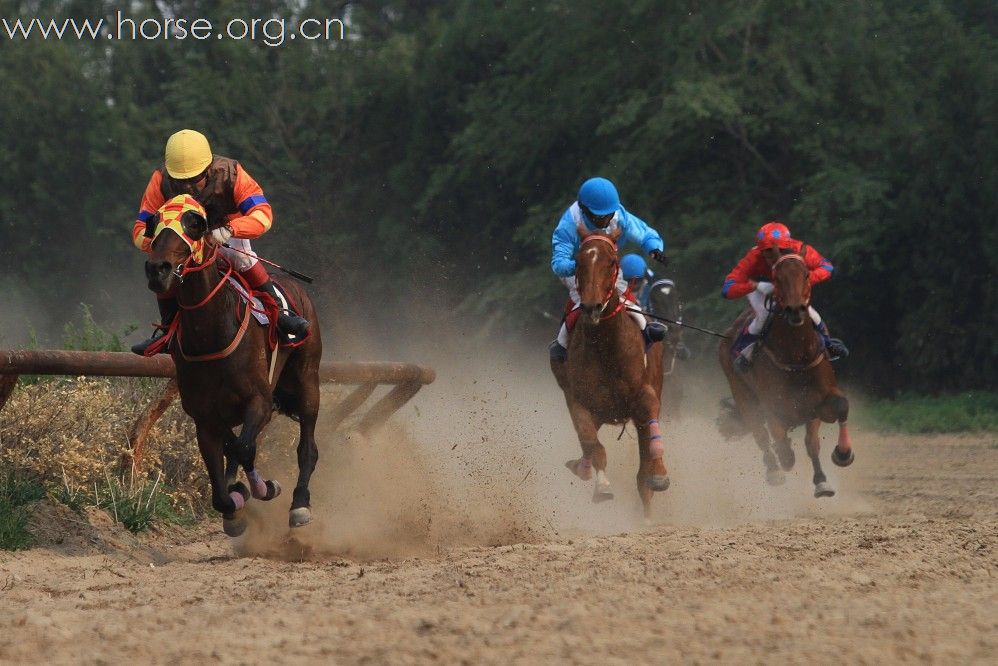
(258,487)
(845,444)
(655,446)
(238,499)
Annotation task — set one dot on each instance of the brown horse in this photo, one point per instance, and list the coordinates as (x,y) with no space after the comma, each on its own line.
(791,382)
(223,372)
(607,377)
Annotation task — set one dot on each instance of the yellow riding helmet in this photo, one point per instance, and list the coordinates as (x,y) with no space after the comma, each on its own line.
(187,154)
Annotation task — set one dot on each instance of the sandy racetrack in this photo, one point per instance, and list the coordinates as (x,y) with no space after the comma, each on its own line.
(463,539)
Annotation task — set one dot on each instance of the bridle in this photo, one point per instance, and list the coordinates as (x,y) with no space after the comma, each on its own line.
(790,367)
(190,265)
(775,300)
(613,285)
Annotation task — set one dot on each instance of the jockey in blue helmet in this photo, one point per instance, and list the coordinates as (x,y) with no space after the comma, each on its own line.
(634,269)
(598,207)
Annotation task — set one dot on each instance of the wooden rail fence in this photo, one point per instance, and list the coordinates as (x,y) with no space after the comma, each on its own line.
(407,379)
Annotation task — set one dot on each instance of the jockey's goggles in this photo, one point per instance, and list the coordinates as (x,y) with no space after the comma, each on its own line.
(190,185)
(601,221)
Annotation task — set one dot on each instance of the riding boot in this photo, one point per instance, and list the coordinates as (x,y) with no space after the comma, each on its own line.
(167,311)
(288,322)
(836,348)
(654,332)
(557,353)
(743,348)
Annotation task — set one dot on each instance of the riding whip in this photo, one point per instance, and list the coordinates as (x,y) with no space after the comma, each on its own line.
(679,323)
(292,273)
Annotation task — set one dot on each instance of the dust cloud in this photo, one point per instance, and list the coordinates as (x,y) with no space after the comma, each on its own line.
(477,458)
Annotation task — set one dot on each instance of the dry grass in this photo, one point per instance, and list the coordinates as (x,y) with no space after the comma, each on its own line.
(71,435)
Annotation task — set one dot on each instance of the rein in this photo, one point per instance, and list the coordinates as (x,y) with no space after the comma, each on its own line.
(188,267)
(790,367)
(613,286)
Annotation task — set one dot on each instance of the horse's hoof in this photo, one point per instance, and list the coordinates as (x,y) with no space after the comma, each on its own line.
(786,455)
(823,489)
(234,525)
(602,497)
(843,460)
(273,490)
(300,517)
(602,492)
(658,482)
(775,477)
(583,470)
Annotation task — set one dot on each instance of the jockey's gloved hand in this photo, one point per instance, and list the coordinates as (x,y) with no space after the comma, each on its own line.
(764,287)
(151,223)
(659,257)
(221,235)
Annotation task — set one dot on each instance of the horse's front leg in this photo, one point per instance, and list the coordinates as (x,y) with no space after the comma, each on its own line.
(835,407)
(211,443)
(593,453)
(750,410)
(784,450)
(652,474)
(813,443)
(243,449)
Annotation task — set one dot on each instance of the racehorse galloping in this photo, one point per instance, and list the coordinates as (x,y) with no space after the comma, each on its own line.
(223,368)
(606,378)
(792,381)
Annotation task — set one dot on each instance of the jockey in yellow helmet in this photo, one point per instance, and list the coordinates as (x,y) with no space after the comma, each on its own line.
(237,212)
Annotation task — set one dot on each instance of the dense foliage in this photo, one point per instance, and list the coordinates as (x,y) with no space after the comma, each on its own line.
(431,152)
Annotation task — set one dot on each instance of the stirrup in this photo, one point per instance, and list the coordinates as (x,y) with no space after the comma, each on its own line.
(291,323)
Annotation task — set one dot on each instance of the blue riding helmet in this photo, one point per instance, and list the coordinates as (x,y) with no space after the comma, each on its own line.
(633,266)
(599,196)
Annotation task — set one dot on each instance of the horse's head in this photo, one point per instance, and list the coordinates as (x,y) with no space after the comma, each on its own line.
(793,288)
(179,240)
(596,267)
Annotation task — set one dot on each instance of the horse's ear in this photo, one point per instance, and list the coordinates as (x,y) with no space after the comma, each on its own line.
(194,225)
(581,228)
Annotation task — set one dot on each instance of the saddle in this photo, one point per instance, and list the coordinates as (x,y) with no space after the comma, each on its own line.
(266,314)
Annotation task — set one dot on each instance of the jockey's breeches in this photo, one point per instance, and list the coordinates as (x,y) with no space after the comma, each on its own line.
(239,261)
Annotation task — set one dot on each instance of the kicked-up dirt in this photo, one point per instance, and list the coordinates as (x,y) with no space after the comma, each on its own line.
(464,540)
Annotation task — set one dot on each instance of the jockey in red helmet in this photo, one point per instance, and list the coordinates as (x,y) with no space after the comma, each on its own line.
(751,277)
